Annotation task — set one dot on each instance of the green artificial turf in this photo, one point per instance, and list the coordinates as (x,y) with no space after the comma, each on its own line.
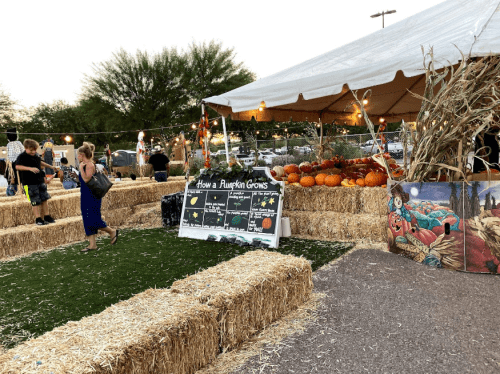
(48,289)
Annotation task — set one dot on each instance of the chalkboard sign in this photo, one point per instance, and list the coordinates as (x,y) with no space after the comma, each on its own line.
(237,211)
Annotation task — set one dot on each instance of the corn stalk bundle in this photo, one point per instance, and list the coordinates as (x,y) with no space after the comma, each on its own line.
(457,105)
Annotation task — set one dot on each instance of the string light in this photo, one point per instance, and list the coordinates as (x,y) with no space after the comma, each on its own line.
(365,101)
(359,115)
(381,120)
(193,126)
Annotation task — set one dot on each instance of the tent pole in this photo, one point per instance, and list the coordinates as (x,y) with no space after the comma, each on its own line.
(225,139)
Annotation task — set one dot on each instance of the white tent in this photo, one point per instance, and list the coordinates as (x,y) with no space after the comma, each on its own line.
(389,61)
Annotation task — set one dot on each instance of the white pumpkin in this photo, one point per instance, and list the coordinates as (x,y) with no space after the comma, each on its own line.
(279,171)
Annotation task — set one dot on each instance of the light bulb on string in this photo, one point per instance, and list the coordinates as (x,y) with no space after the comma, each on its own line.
(215,123)
(365,101)
(193,126)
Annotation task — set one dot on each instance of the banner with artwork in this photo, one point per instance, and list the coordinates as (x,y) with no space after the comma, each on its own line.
(450,225)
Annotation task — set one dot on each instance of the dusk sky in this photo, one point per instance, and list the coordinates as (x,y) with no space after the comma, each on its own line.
(48,46)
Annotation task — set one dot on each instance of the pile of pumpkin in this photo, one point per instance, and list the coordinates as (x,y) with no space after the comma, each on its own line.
(362,172)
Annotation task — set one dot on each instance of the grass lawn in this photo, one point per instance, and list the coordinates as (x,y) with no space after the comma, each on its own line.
(48,289)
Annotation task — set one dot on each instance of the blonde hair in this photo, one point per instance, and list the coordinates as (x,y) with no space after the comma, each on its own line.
(87,149)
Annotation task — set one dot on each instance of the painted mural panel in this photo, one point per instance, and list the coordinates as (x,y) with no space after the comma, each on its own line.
(482,226)
(426,224)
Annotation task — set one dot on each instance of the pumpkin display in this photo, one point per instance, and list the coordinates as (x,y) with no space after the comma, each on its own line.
(273,173)
(307,181)
(293,178)
(305,167)
(360,182)
(374,178)
(348,183)
(320,179)
(333,180)
(292,168)
(329,164)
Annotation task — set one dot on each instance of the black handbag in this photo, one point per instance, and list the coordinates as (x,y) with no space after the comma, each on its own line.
(99,185)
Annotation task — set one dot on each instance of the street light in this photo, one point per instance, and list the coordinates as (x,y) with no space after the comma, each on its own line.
(382,14)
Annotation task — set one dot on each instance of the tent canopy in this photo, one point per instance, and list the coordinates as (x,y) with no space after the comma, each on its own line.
(390,62)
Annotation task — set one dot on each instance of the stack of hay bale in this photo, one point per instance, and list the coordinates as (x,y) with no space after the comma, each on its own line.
(173,331)
(127,204)
(337,213)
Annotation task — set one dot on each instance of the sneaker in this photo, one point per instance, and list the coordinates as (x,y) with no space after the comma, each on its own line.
(40,222)
(48,219)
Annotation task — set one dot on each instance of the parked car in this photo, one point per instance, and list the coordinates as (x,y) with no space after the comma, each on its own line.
(245,158)
(303,150)
(267,156)
(395,149)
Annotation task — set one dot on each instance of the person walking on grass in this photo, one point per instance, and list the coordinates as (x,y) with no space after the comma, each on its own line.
(90,205)
(29,165)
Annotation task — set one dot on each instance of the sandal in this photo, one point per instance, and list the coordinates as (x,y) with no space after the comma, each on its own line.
(115,238)
(88,249)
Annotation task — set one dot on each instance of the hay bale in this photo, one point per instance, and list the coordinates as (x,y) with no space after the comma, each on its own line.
(156,331)
(338,226)
(117,217)
(250,291)
(19,240)
(63,231)
(331,199)
(373,201)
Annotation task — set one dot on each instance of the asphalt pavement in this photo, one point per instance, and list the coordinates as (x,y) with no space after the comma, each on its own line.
(384,313)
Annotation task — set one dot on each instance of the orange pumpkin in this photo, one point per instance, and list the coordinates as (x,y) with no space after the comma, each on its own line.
(292,168)
(360,182)
(333,180)
(307,181)
(329,164)
(320,179)
(293,178)
(374,178)
(305,167)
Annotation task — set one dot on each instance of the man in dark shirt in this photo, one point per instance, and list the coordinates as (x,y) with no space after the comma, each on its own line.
(29,165)
(161,167)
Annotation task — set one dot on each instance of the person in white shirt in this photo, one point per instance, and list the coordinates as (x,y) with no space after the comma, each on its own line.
(3,167)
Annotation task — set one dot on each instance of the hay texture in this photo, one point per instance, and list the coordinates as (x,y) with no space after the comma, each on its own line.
(250,292)
(336,199)
(155,331)
(18,212)
(338,226)
(18,240)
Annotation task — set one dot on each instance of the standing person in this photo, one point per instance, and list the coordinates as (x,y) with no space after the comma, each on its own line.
(69,176)
(14,149)
(161,166)
(90,205)
(100,167)
(30,165)
(48,155)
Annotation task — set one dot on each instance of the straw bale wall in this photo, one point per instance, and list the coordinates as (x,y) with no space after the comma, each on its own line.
(250,292)
(336,199)
(123,206)
(345,227)
(337,213)
(156,331)
(18,211)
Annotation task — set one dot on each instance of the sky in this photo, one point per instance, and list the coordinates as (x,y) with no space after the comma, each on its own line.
(47,47)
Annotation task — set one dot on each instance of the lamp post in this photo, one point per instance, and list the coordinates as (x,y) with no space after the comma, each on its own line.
(382,14)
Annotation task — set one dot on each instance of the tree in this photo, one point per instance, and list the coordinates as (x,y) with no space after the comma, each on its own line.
(6,108)
(212,70)
(147,89)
